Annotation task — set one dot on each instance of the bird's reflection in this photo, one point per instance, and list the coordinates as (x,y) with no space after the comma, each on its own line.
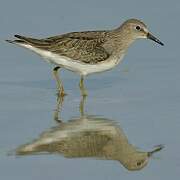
(88,137)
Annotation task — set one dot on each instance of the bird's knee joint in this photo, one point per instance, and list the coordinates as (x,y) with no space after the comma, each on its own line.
(56,68)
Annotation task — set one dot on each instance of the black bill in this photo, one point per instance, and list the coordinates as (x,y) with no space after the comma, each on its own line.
(150,36)
(157,149)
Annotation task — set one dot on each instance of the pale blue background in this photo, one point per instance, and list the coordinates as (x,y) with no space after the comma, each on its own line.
(142,94)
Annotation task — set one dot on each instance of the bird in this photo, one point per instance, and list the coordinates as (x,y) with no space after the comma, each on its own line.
(88,136)
(86,52)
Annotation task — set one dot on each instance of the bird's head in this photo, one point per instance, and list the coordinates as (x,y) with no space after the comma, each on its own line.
(138,160)
(137,29)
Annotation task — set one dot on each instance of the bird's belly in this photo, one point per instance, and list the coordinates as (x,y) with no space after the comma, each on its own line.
(84,68)
(75,65)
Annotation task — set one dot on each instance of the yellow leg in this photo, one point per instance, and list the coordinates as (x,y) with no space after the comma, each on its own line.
(57,112)
(82,88)
(58,82)
(81,105)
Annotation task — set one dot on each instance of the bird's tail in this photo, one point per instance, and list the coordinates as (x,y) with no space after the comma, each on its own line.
(22,40)
(28,149)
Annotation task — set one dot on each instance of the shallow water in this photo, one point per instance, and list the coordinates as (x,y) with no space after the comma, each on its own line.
(141,95)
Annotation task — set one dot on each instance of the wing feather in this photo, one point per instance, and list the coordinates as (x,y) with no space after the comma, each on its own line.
(86,46)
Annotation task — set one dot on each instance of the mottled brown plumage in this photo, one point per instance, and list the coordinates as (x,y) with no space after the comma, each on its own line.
(85,46)
(87,52)
(89,137)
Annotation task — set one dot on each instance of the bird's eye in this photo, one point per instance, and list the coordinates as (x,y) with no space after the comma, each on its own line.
(139,163)
(138,28)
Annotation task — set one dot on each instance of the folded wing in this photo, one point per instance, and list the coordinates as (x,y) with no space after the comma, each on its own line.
(86,47)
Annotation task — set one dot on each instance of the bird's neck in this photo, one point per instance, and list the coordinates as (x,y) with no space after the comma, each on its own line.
(119,150)
(119,41)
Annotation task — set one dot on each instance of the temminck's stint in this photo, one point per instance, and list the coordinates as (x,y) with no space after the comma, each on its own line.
(87,52)
(89,137)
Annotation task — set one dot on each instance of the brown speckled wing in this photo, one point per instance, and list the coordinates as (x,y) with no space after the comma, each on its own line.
(86,47)
(88,144)
(82,46)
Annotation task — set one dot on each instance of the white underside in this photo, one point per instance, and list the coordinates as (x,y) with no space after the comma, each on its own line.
(74,65)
